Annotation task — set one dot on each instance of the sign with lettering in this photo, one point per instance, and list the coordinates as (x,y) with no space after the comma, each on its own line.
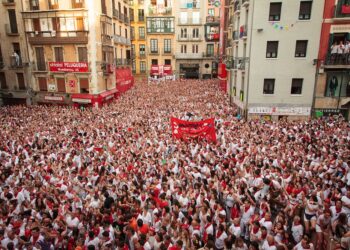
(79,67)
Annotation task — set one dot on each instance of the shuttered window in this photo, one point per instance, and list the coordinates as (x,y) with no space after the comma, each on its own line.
(300,48)
(272,49)
(61,85)
(305,10)
(42,82)
(275,11)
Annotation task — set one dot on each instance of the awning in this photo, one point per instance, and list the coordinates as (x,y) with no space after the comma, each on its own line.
(82,98)
(108,93)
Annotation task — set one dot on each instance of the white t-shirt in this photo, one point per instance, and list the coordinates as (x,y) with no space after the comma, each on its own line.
(346,201)
(220,241)
(297,232)
(235,230)
(247,214)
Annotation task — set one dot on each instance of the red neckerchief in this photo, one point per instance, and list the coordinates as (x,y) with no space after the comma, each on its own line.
(264,235)
(297,223)
(337,210)
(271,244)
(246,209)
(218,234)
(35,239)
(205,234)
(255,230)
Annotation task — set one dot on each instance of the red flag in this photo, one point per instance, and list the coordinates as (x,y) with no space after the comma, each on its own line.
(193,129)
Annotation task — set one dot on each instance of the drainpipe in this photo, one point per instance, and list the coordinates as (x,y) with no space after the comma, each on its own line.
(250,53)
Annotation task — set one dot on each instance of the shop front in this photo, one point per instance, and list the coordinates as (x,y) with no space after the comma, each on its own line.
(279,112)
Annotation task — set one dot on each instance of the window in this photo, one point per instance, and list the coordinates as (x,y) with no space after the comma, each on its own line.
(154,62)
(142,67)
(131,11)
(167,45)
(271,49)
(183,17)
(58,54)
(40,59)
(297,86)
(183,49)
(20,81)
(34,5)
(82,54)
(195,33)
(167,62)
(103,7)
(132,33)
(84,85)
(126,33)
(196,17)
(142,49)
(210,49)
(13,21)
(142,32)
(211,12)
(183,32)
(141,15)
(42,82)
(61,85)
(77,4)
(305,10)
(3,84)
(300,48)
(269,86)
(195,48)
(154,45)
(53,4)
(160,25)
(275,11)
(133,66)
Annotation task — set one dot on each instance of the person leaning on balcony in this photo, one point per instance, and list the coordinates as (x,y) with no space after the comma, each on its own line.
(334,51)
(347,52)
(340,53)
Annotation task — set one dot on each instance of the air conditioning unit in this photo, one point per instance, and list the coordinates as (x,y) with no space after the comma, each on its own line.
(53,33)
(36,32)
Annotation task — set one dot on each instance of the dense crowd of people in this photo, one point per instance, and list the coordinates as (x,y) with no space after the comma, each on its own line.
(114,178)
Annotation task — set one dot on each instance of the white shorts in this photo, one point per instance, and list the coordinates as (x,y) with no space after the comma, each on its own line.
(318,229)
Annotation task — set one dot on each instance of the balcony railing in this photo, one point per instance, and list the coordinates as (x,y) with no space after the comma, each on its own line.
(16,62)
(189,21)
(121,40)
(57,37)
(11,30)
(209,54)
(337,61)
(237,6)
(39,66)
(132,37)
(342,10)
(121,17)
(212,19)
(142,55)
(160,30)
(8,2)
(153,52)
(245,2)
(154,10)
(212,37)
(141,18)
(126,19)
(116,13)
(188,56)
(78,4)
(243,31)
(122,62)
(235,35)
(189,38)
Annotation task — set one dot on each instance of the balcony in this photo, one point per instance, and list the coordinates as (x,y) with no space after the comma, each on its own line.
(8,2)
(189,38)
(132,37)
(212,19)
(209,55)
(188,56)
(116,13)
(342,10)
(337,62)
(141,18)
(142,56)
(245,3)
(16,62)
(106,39)
(236,7)
(231,20)
(11,30)
(122,40)
(212,37)
(121,17)
(235,35)
(78,4)
(122,62)
(57,37)
(39,67)
(126,20)
(239,63)
(160,30)
(154,10)
(189,21)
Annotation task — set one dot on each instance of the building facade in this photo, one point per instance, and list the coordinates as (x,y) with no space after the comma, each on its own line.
(160,33)
(332,93)
(75,49)
(273,47)
(14,62)
(138,37)
(197,38)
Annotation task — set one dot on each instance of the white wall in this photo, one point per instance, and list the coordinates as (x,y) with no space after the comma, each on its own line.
(285,66)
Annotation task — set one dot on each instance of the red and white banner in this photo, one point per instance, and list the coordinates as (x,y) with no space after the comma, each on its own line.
(193,129)
(79,67)
(161,70)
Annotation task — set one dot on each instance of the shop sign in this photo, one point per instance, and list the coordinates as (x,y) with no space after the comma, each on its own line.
(79,67)
(54,98)
(304,111)
(80,100)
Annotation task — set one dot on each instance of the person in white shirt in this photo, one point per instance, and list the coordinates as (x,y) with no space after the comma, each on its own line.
(334,52)
(304,244)
(221,236)
(323,228)
(297,229)
(311,209)
(346,202)
(269,243)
